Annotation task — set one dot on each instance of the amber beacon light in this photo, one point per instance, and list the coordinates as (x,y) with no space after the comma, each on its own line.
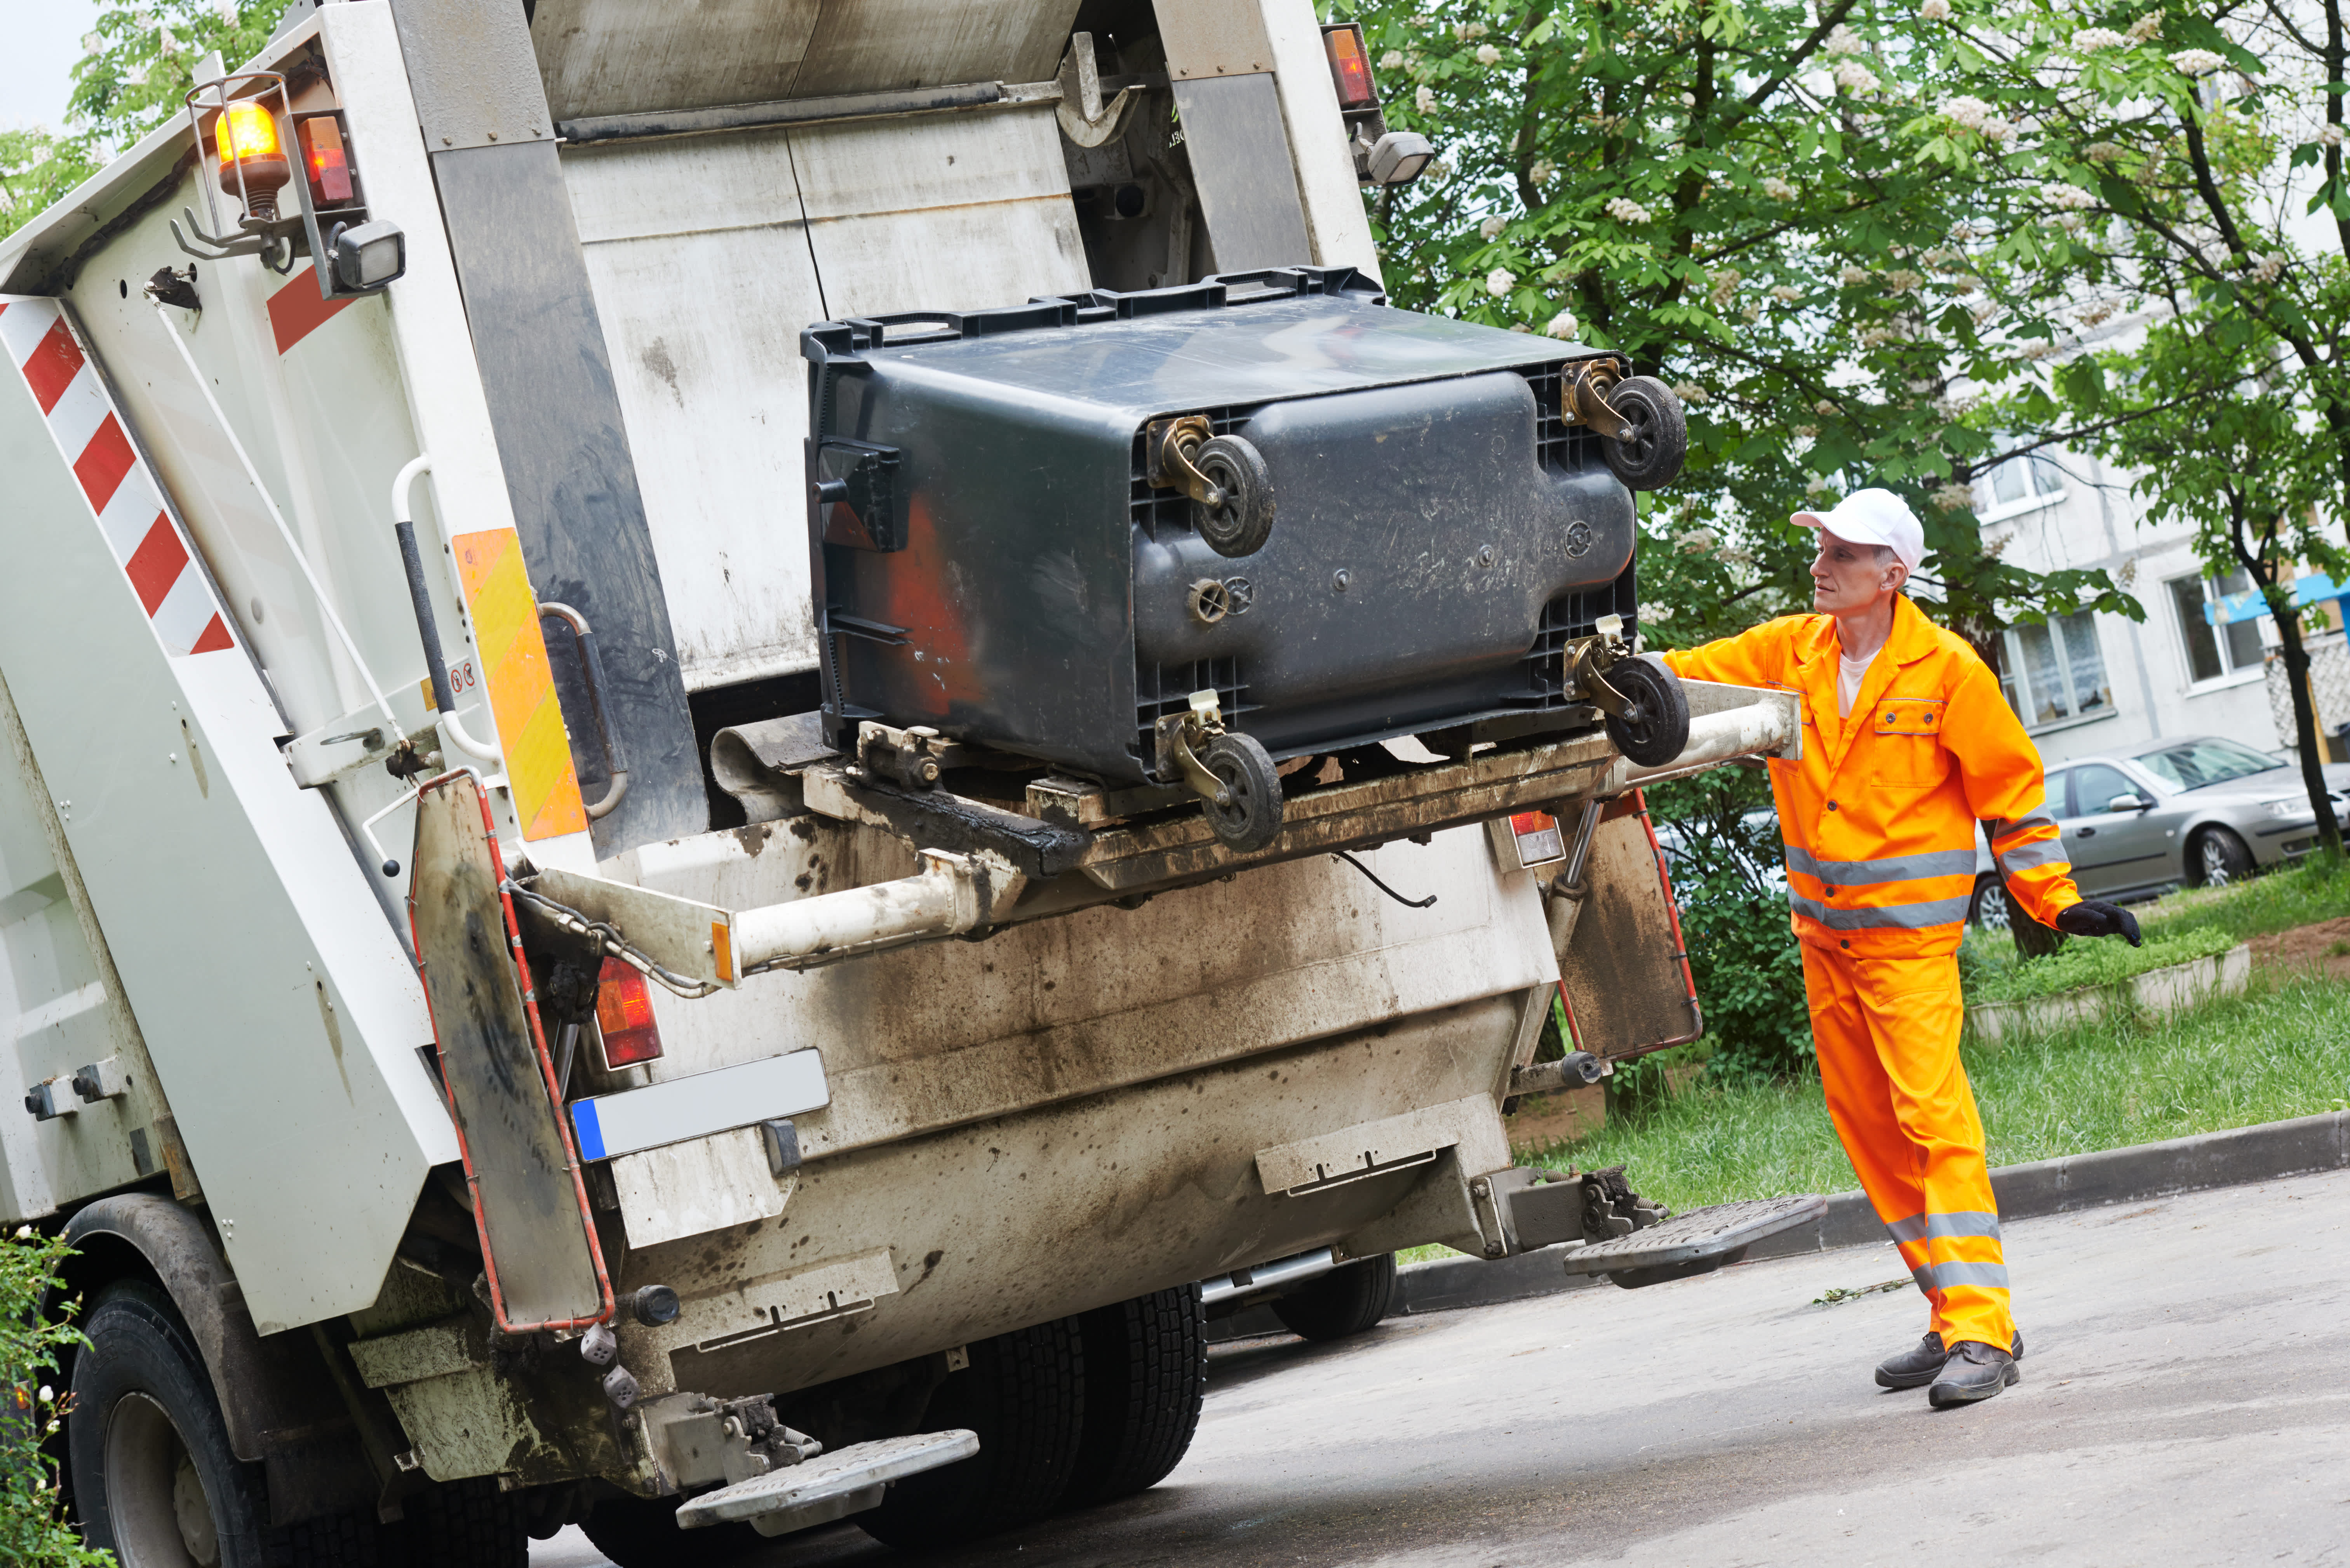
(253,161)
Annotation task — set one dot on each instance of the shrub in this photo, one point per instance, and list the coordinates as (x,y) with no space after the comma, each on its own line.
(1726,861)
(33,1532)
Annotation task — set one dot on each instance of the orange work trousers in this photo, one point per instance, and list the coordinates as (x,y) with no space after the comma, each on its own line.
(1887,1029)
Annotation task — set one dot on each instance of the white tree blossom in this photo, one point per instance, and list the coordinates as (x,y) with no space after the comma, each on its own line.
(2089,40)
(1854,277)
(1563,326)
(1843,40)
(1859,78)
(1492,226)
(2197,62)
(2147,26)
(1487,55)
(1500,281)
(1970,112)
(1424,100)
(1934,11)
(1624,210)
(1778,189)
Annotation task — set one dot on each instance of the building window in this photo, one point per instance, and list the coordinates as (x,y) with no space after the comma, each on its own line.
(2214,651)
(2024,482)
(2055,672)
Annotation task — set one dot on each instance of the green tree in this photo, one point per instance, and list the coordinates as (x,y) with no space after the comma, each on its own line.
(1722,191)
(2152,176)
(137,65)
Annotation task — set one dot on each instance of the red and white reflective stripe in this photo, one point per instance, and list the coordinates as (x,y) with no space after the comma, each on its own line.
(123,496)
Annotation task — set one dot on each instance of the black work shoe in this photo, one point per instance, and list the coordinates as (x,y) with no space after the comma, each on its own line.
(1974,1371)
(1916,1368)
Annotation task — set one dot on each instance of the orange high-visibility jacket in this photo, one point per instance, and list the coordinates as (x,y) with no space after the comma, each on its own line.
(1879,815)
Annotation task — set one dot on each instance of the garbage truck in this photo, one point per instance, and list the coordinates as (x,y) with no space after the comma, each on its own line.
(745,741)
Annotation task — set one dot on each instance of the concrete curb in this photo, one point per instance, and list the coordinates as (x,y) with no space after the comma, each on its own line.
(2302,1147)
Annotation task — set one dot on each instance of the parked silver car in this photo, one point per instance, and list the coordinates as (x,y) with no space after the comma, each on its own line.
(2203,811)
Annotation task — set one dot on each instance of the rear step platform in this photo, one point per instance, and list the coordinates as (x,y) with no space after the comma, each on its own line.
(1697,1242)
(829,1487)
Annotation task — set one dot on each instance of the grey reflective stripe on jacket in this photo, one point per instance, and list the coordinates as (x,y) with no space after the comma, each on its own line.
(1894,917)
(1964,1223)
(2039,818)
(2024,857)
(1899,868)
(1942,1276)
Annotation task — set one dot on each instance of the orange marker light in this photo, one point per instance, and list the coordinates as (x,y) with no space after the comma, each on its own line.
(325,160)
(1351,66)
(624,1012)
(247,133)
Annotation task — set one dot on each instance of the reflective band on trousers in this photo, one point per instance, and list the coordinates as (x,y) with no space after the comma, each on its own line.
(1898,916)
(1899,868)
(2024,857)
(1942,1276)
(1967,1222)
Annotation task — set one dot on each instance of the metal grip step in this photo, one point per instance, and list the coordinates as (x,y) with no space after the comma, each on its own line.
(1693,1243)
(826,1488)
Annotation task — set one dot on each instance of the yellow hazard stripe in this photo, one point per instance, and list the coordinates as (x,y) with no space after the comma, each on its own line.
(522,689)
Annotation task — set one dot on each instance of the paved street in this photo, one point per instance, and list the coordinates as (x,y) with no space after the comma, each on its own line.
(2184,1402)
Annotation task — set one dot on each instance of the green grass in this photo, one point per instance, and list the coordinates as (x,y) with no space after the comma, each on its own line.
(2277,1051)
(2312,891)
(1995,974)
(2184,926)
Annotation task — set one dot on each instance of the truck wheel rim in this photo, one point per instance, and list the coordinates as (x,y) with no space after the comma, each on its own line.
(155,1499)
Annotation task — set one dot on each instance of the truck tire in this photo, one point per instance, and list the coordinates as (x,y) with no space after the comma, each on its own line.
(643,1533)
(1146,1377)
(1343,1301)
(1024,1394)
(154,1478)
(467,1524)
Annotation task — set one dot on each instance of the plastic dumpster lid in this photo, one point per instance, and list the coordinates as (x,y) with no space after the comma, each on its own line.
(1236,339)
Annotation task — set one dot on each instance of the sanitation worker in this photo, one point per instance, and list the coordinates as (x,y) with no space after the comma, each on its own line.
(1908,744)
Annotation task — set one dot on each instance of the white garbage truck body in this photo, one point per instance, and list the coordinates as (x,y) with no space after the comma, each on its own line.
(846,1148)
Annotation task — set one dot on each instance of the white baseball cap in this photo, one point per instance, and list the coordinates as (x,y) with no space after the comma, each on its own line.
(1872,517)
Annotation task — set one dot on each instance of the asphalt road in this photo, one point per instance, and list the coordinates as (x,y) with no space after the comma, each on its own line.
(2186,1400)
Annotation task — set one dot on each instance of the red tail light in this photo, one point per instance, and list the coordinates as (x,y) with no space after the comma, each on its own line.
(323,158)
(624,1011)
(1539,839)
(1351,66)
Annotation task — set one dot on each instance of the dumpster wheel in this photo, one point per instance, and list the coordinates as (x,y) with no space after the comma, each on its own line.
(1249,817)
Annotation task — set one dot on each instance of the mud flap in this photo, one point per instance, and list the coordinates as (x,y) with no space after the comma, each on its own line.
(1697,1242)
(1624,968)
(539,1248)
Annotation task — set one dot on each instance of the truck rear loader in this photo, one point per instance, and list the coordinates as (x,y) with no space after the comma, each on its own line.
(746,741)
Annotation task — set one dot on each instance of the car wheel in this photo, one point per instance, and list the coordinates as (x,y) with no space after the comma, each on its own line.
(1341,1304)
(1990,910)
(2218,857)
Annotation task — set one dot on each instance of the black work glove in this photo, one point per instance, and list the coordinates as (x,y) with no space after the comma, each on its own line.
(2095,918)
